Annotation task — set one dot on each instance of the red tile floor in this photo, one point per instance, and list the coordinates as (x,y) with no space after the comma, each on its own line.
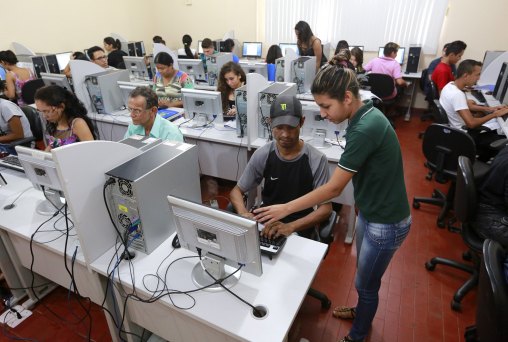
(414,303)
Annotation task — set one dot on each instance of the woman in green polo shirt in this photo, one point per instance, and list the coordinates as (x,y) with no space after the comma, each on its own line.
(373,160)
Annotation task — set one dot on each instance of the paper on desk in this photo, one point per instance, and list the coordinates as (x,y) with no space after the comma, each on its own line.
(230,124)
(493,125)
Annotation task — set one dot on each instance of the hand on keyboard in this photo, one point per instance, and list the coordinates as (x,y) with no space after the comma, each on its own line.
(276,229)
(501,112)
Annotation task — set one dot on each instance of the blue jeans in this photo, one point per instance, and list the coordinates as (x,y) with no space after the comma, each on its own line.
(375,245)
(8,149)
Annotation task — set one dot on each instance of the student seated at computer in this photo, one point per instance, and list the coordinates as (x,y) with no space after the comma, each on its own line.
(13,125)
(432,66)
(274,52)
(208,50)
(168,81)
(231,77)
(308,44)
(357,60)
(143,106)
(342,44)
(15,76)
(343,58)
(289,167)
(77,55)
(443,74)
(187,51)
(229,45)
(389,66)
(115,52)
(97,55)
(158,40)
(65,115)
(454,102)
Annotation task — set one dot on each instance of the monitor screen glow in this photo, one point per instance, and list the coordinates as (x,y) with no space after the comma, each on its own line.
(400,54)
(63,59)
(292,46)
(252,49)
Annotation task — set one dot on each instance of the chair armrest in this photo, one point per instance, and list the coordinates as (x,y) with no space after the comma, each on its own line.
(326,228)
(498,144)
(21,141)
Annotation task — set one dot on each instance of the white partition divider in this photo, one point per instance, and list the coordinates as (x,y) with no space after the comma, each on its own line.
(490,71)
(255,83)
(163,48)
(229,35)
(289,57)
(81,168)
(20,49)
(122,40)
(79,70)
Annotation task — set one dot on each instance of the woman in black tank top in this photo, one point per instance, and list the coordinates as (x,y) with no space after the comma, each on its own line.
(308,44)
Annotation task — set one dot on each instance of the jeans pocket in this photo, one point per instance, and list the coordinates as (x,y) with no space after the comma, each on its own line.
(381,234)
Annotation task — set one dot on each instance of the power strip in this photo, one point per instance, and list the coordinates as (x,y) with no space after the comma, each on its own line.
(11,319)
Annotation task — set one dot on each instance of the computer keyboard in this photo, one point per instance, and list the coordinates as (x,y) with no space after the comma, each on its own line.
(11,162)
(478,95)
(272,246)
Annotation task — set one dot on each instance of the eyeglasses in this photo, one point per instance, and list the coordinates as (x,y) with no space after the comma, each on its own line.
(135,111)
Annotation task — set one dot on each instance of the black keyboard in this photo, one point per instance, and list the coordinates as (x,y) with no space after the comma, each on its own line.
(478,95)
(11,162)
(272,246)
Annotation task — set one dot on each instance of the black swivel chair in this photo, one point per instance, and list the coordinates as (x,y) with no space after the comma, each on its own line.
(29,89)
(442,145)
(431,95)
(35,126)
(383,86)
(465,211)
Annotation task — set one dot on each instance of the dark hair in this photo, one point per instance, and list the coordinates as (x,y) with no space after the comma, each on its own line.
(390,48)
(342,58)
(222,85)
(150,96)
(334,81)
(92,50)
(206,43)
(54,95)
(273,53)
(358,53)
(304,34)
(7,56)
(342,44)
(445,46)
(187,41)
(466,67)
(158,40)
(79,55)
(117,44)
(229,44)
(163,58)
(455,47)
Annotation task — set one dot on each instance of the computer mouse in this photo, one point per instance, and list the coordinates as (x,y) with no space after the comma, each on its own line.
(488,93)
(176,242)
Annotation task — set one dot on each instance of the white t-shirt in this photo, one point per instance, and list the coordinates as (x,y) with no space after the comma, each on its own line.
(9,109)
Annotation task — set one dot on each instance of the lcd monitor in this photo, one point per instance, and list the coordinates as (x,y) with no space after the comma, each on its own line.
(259,68)
(56,79)
(138,70)
(400,54)
(194,68)
(63,59)
(228,243)
(252,49)
(292,46)
(202,107)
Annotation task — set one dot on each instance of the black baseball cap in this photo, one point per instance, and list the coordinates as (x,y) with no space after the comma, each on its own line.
(286,110)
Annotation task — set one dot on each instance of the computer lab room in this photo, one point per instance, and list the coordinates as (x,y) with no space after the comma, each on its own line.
(257,170)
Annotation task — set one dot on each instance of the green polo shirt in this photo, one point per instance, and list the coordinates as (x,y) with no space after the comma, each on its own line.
(373,154)
(162,129)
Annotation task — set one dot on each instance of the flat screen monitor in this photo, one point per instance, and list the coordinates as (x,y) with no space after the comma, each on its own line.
(126,88)
(358,46)
(56,79)
(202,106)
(52,63)
(292,46)
(138,71)
(252,49)
(228,242)
(400,54)
(259,68)
(194,68)
(63,59)
(39,65)
(40,169)
(500,82)
(140,49)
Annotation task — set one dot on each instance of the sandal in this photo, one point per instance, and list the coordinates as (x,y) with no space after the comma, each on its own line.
(344,312)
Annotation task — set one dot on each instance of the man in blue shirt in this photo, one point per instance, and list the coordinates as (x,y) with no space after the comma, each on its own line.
(145,121)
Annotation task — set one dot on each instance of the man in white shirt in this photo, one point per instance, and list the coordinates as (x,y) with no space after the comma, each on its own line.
(459,109)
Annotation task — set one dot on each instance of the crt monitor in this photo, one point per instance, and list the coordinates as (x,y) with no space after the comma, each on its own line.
(252,49)
(400,54)
(63,59)
(52,63)
(194,68)
(227,241)
(138,71)
(40,169)
(202,106)
(292,46)
(56,79)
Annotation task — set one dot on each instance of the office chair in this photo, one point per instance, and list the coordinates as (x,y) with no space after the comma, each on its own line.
(35,127)
(383,86)
(442,145)
(29,89)
(465,211)
(431,96)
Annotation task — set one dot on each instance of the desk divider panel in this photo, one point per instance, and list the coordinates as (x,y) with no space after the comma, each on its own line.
(255,83)
(79,70)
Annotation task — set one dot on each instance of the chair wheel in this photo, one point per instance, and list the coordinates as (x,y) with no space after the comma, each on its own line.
(416,205)
(441,224)
(467,256)
(326,304)
(455,305)
(430,266)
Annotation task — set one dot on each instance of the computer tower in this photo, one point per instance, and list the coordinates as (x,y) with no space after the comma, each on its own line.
(138,198)
(104,91)
(501,81)
(39,63)
(266,97)
(303,73)
(52,64)
(241,111)
(141,142)
(279,69)
(140,49)
(131,47)
(413,59)
(214,63)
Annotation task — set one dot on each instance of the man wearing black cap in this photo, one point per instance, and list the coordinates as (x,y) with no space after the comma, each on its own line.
(290,168)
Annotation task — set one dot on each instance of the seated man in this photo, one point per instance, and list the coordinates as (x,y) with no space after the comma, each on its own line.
(208,50)
(13,125)
(432,66)
(142,105)
(443,74)
(454,102)
(388,65)
(98,56)
(290,168)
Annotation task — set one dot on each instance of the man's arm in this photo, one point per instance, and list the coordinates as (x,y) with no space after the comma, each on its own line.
(472,122)
(401,82)
(236,198)
(473,107)
(16,130)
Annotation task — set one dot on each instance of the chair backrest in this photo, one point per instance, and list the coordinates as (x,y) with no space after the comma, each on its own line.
(442,145)
(492,295)
(381,85)
(424,80)
(35,122)
(433,92)
(29,89)
(465,191)
(440,114)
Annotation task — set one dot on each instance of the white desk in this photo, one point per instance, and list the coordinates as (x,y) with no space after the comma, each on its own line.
(218,316)
(414,77)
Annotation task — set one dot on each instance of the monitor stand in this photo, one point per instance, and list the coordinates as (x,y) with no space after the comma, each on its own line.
(51,204)
(218,269)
